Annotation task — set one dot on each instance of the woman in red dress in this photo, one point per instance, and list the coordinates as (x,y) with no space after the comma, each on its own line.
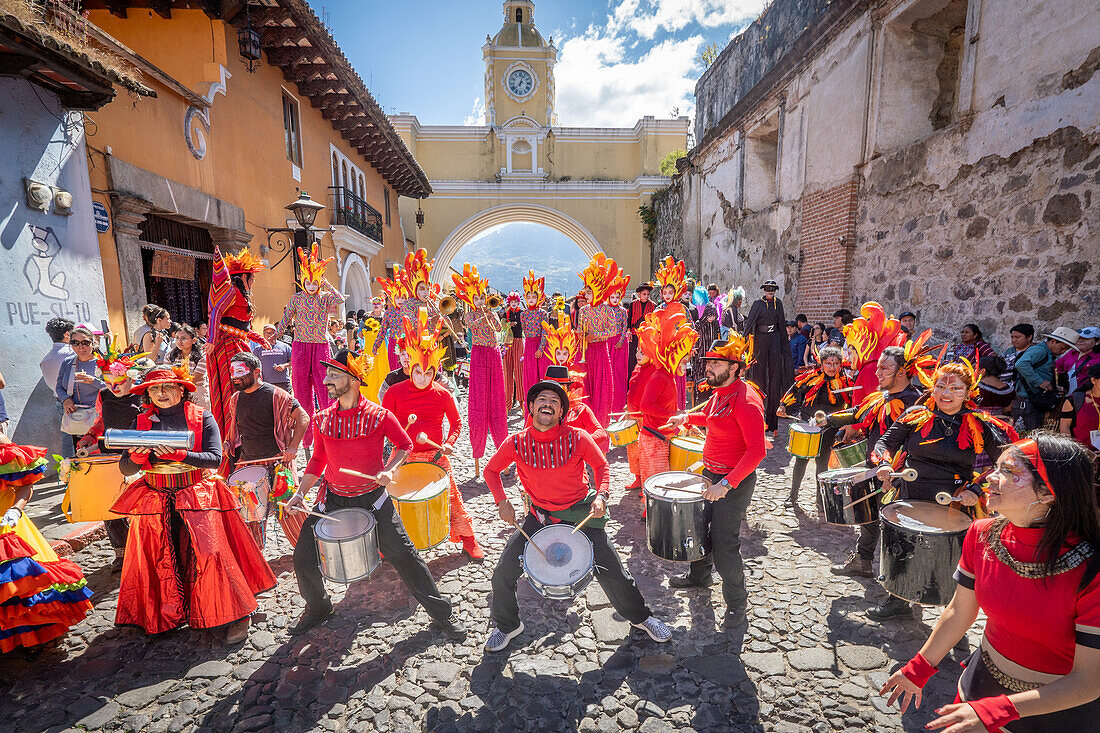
(1033,571)
(189,558)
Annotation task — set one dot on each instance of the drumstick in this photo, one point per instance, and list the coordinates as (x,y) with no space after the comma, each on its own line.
(360,475)
(863,499)
(845,389)
(422,438)
(312,514)
(583,522)
(694,466)
(412,419)
(531,541)
(624,413)
(259,460)
(698,407)
(945,498)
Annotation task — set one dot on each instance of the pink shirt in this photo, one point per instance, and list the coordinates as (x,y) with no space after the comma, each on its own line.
(309,314)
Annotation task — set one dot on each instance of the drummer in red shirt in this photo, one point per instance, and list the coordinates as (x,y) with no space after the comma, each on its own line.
(580,415)
(734,447)
(635,388)
(1035,573)
(551,457)
(421,395)
(350,434)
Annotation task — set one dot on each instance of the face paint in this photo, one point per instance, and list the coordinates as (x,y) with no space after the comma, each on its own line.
(311,286)
(239,369)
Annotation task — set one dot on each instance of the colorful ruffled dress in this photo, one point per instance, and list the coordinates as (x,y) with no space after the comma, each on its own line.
(41,594)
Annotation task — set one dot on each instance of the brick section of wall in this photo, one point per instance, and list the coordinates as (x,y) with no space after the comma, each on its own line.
(825,273)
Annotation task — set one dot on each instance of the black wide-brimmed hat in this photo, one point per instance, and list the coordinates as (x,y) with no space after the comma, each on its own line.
(357,366)
(648,287)
(555,387)
(770,285)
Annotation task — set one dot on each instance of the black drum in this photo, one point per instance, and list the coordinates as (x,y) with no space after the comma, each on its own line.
(838,488)
(921,546)
(677,520)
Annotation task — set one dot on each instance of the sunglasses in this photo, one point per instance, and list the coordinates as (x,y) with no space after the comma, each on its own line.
(80,343)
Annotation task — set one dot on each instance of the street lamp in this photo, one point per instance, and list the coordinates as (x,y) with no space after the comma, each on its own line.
(305,210)
(249,44)
(419,216)
(305,213)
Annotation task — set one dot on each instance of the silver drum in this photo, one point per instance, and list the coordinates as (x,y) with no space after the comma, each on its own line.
(347,547)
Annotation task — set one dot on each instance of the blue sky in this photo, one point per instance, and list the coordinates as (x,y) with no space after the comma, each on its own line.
(618,60)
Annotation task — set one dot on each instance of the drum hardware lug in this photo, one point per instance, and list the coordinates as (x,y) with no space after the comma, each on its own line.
(897,549)
(881,579)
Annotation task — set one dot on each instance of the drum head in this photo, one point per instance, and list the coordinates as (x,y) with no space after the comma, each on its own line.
(798,427)
(344,524)
(621,425)
(925,516)
(688,443)
(675,486)
(568,555)
(418,481)
(842,474)
(248,475)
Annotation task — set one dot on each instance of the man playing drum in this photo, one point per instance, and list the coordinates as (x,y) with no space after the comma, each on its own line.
(262,422)
(895,367)
(580,415)
(430,402)
(550,457)
(734,418)
(349,434)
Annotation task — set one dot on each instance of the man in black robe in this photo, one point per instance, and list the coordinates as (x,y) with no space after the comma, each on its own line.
(772,370)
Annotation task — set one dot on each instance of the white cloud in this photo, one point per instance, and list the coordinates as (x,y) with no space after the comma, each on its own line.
(477,114)
(615,74)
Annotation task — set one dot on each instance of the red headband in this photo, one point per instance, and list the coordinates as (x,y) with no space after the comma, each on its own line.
(1030,449)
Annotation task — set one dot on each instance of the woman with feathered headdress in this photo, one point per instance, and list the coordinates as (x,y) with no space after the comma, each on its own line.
(393,318)
(533,321)
(671,277)
(599,324)
(620,343)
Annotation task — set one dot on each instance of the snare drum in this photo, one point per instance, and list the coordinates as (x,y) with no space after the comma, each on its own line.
(623,432)
(347,548)
(94,484)
(921,547)
(804,441)
(677,517)
(252,486)
(851,454)
(685,452)
(840,487)
(421,496)
(567,567)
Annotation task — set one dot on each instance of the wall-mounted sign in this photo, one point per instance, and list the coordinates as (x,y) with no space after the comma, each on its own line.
(102,218)
(169,264)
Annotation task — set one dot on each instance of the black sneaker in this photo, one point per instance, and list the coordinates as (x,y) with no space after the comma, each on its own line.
(688,581)
(856,566)
(452,628)
(310,618)
(894,607)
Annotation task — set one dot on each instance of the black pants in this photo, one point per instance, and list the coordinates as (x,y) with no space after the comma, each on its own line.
(392,542)
(117,529)
(612,576)
(821,461)
(725,542)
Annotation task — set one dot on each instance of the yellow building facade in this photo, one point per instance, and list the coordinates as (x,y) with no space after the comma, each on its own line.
(216,157)
(521,166)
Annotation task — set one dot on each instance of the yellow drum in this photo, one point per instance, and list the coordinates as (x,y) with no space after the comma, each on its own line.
(421,495)
(94,484)
(623,432)
(804,441)
(686,454)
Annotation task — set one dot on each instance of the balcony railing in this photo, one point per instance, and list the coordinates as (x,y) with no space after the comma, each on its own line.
(351,211)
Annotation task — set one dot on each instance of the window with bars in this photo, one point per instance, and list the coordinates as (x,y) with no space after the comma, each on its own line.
(386,202)
(291,130)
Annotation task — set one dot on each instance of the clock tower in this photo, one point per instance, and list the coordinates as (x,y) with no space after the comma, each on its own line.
(519,70)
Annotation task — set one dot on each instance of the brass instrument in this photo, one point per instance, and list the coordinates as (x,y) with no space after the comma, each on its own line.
(447,305)
(494,301)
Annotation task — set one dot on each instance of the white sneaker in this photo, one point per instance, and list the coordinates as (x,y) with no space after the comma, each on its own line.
(499,639)
(657,629)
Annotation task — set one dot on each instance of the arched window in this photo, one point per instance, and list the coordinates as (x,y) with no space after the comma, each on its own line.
(362,198)
(519,15)
(344,171)
(335,171)
(522,159)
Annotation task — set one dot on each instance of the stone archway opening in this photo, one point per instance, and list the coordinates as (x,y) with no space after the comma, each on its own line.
(546,224)
(355,283)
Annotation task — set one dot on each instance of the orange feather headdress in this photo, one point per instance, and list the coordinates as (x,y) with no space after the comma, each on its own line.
(737,348)
(674,273)
(418,269)
(622,282)
(532,284)
(311,265)
(242,262)
(919,361)
(469,284)
(394,288)
(870,334)
(666,338)
(422,342)
(562,337)
(601,275)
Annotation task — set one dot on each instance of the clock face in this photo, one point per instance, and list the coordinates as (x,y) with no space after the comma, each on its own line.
(520,83)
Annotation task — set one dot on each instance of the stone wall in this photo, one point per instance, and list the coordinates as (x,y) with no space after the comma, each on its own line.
(669,240)
(1002,241)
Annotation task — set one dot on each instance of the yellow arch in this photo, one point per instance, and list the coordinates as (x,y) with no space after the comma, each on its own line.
(506,214)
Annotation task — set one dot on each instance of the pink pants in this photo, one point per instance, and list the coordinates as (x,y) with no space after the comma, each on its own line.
(486,408)
(307,376)
(598,380)
(620,358)
(534,366)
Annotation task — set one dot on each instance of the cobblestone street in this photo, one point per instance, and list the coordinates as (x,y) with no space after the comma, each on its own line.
(809,659)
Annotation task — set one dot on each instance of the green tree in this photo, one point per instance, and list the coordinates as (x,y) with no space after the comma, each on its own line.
(668,163)
(708,54)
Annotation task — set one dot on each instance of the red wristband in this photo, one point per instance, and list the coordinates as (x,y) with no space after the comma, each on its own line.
(995,712)
(919,671)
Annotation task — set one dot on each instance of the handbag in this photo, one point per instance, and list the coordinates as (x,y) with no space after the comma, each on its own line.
(80,420)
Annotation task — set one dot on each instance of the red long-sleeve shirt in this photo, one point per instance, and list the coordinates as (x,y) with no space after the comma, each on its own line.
(638,380)
(429,405)
(734,419)
(353,439)
(581,416)
(659,401)
(550,465)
